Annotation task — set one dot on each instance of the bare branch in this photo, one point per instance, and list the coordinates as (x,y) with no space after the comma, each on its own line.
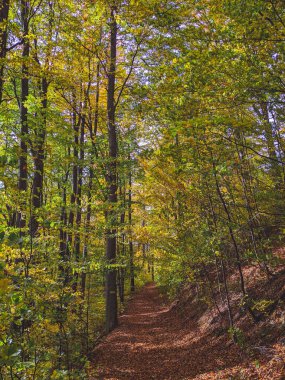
(129,73)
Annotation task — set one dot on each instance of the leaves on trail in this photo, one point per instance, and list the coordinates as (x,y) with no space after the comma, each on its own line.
(158,341)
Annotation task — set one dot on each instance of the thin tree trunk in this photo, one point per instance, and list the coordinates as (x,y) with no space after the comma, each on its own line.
(4,12)
(39,156)
(93,133)
(236,250)
(87,230)
(131,248)
(230,314)
(263,113)
(249,205)
(121,249)
(23,160)
(211,287)
(73,197)
(111,285)
(231,232)
(77,238)
(63,235)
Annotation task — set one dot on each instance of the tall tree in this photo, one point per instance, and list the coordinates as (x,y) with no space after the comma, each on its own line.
(111,178)
(23,159)
(4,12)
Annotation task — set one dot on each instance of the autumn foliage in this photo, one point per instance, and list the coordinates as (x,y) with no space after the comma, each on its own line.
(139,141)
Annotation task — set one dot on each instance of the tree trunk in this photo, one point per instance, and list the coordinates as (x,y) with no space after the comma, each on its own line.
(73,197)
(230,314)
(39,156)
(121,248)
(4,12)
(131,248)
(23,160)
(231,232)
(77,238)
(263,113)
(111,177)
(63,235)
(93,133)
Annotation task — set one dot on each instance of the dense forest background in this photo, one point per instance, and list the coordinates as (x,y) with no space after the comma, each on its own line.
(139,141)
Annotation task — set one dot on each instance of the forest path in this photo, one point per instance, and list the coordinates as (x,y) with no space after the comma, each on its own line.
(151,342)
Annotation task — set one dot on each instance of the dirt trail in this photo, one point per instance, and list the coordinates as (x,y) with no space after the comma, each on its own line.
(151,342)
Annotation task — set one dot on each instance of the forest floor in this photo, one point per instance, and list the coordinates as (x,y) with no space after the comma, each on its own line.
(154,341)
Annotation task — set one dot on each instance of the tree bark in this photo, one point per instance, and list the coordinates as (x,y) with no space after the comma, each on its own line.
(63,234)
(23,160)
(74,194)
(231,232)
(93,133)
(121,248)
(111,177)
(4,12)
(77,238)
(263,113)
(131,248)
(39,156)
